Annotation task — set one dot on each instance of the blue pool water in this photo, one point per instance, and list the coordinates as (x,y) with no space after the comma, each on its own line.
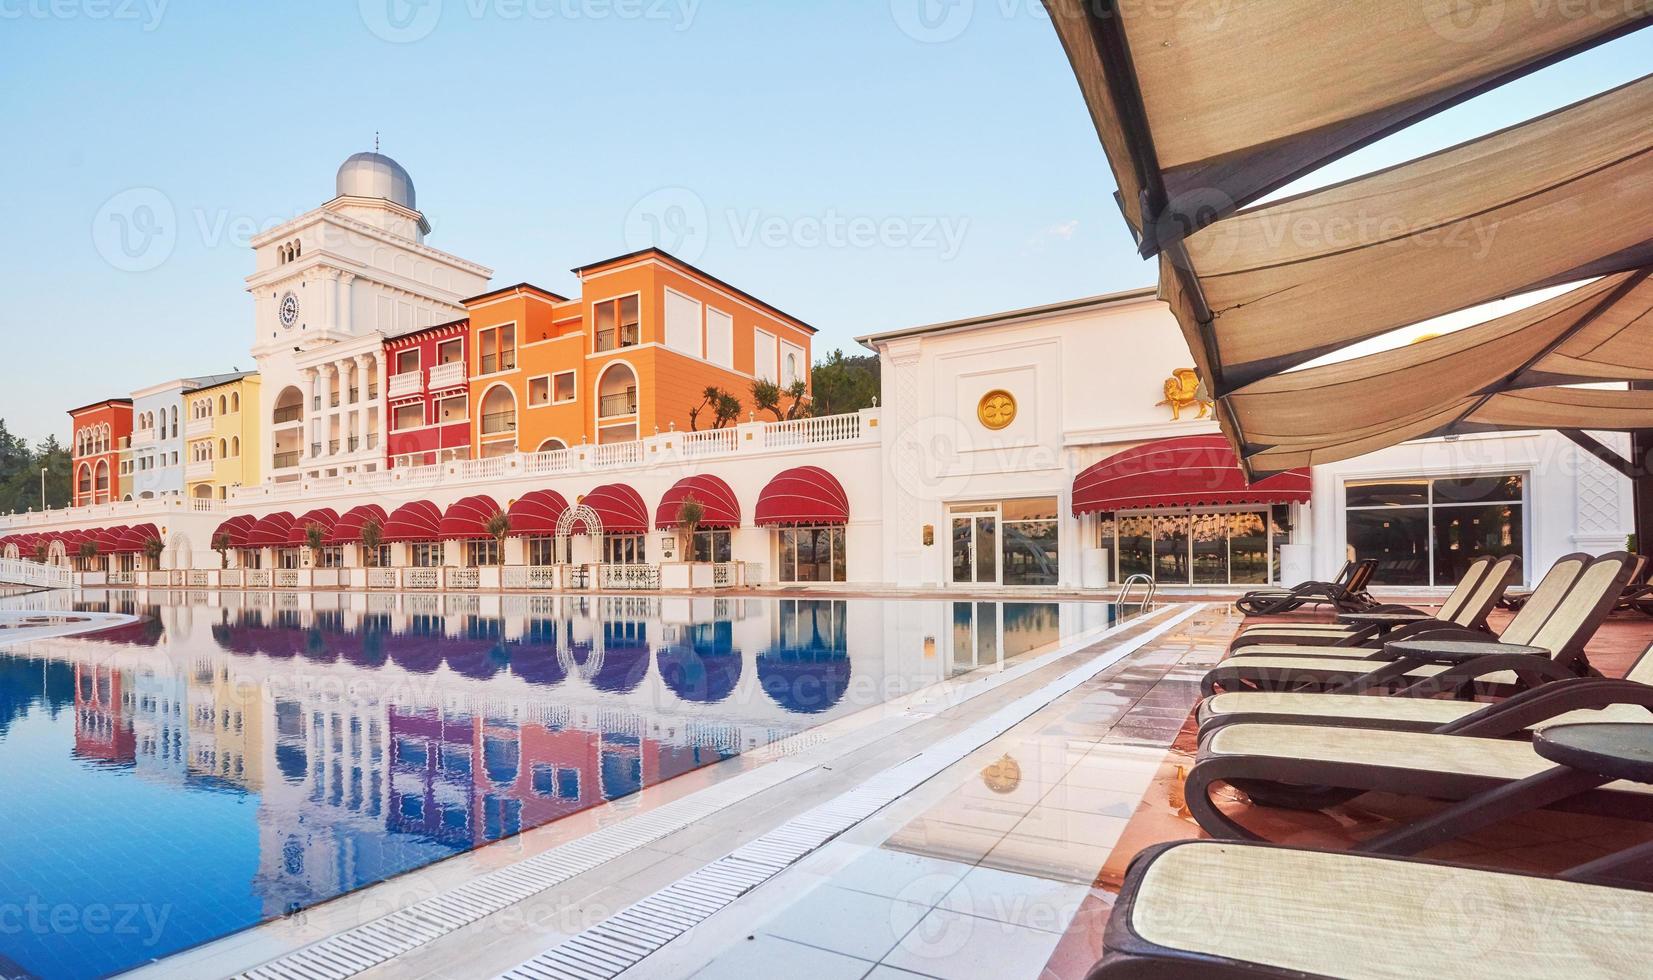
(222,763)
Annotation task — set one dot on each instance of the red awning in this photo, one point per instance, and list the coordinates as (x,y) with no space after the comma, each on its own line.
(349,528)
(108,539)
(620,507)
(236,529)
(537,513)
(721,508)
(325,517)
(467,520)
(806,495)
(272,531)
(135,538)
(1193,471)
(416,521)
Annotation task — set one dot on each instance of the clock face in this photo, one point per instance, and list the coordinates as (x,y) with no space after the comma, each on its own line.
(287,312)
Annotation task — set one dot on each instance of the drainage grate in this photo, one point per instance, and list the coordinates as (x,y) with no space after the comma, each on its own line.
(669,913)
(623,940)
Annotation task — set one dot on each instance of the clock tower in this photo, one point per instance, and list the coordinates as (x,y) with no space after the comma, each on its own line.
(330,287)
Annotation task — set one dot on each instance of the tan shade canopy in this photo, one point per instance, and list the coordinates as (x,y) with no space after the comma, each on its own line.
(1557,199)
(1206,107)
(1491,375)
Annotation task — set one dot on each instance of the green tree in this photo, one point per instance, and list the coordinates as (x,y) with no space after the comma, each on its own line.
(728,410)
(844,384)
(315,536)
(152,549)
(221,544)
(499,528)
(373,535)
(689,515)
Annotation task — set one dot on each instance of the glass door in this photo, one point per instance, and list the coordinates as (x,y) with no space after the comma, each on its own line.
(976,548)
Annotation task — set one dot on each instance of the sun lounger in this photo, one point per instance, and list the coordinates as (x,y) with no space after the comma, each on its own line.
(1561,624)
(1554,588)
(1487,780)
(1471,601)
(1224,910)
(1558,703)
(1347,593)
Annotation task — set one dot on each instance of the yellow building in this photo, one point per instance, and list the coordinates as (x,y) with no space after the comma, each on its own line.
(222,437)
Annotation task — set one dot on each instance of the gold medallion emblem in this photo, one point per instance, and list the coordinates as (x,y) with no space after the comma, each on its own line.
(997,409)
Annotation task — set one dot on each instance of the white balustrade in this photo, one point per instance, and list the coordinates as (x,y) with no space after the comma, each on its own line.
(14,571)
(716,442)
(401,385)
(812,432)
(232,578)
(425,579)
(381,578)
(617,454)
(547,464)
(621,578)
(465,578)
(259,578)
(286,578)
(450,375)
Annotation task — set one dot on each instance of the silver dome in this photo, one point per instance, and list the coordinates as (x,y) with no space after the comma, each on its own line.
(376,175)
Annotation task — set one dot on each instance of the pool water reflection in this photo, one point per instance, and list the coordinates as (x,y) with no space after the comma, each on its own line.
(233,758)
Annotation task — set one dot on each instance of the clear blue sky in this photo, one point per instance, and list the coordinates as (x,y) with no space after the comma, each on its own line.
(544,134)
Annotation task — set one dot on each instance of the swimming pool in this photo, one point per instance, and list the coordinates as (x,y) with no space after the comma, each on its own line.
(233,758)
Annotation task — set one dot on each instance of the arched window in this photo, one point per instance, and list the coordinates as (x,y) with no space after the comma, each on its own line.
(617,391)
(552,445)
(235,401)
(235,447)
(223,449)
(223,405)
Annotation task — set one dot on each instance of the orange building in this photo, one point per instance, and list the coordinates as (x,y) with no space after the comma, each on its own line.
(635,353)
(101,431)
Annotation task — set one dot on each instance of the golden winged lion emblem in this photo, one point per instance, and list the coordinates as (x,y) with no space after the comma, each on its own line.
(1184,389)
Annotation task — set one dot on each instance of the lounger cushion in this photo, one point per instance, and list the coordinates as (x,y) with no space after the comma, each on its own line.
(1488,758)
(1345,915)
(1317,666)
(1293,649)
(1342,708)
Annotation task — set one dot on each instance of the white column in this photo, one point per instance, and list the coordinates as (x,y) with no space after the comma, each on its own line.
(346,322)
(360,431)
(334,385)
(312,419)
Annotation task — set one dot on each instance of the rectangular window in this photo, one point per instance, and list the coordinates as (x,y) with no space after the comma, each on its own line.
(407,361)
(1029,537)
(683,323)
(450,351)
(1427,532)
(426,554)
(539,391)
(616,324)
(409,416)
(481,553)
(765,356)
(812,554)
(623,549)
(498,347)
(1210,548)
(542,551)
(713,546)
(562,388)
(454,409)
(720,338)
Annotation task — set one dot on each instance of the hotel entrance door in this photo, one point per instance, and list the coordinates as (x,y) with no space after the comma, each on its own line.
(976,547)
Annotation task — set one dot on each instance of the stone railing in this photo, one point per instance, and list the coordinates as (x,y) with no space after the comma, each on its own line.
(122,510)
(465,578)
(425,579)
(664,449)
(725,575)
(522,578)
(14,571)
(232,578)
(287,578)
(381,578)
(450,375)
(259,578)
(621,578)
(410,383)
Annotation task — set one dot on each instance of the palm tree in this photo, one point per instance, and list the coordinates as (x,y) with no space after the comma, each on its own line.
(221,544)
(152,548)
(499,528)
(88,550)
(315,536)
(689,515)
(373,535)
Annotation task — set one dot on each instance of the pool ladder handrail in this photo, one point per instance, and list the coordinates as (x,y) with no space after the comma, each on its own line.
(1149,585)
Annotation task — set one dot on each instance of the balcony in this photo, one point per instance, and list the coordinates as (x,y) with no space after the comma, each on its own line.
(198,469)
(198,427)
(411,383)
(284,461)
(288,415)
(618,405)
(450,375)
(495,363)
(499,422)
(142,437)
(608,340)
